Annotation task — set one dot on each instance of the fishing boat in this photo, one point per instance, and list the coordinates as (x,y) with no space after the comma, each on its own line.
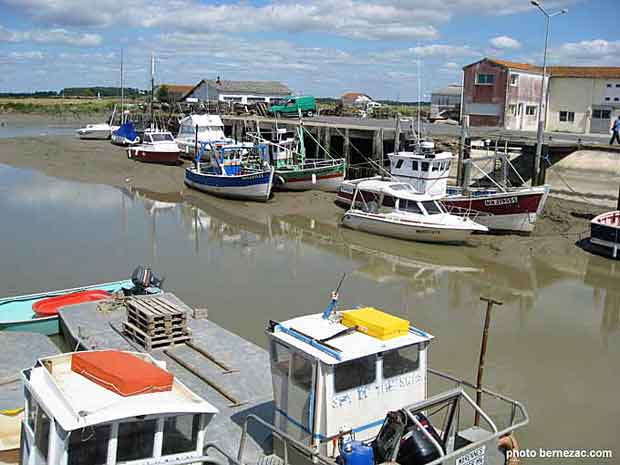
(109,406)
(499,207)
(395,209)
(157,147)
(355,387)
(101,131)
(293,170)
(197,129)
(38,312)
(125,135)
(605,231)
(230,173)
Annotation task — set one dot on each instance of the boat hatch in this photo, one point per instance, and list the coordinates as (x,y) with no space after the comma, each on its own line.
(344,373)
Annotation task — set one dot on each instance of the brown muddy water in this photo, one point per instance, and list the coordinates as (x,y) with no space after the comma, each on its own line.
(554,344)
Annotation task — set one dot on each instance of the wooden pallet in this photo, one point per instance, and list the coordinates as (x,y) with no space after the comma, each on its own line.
(155,342)
(153,321)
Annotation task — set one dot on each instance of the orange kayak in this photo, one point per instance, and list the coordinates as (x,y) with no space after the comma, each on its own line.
(51,305)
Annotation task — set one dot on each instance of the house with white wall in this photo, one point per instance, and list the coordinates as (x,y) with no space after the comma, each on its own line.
(246,92)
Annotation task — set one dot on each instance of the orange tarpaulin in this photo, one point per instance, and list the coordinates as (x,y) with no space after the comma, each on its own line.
(120,372)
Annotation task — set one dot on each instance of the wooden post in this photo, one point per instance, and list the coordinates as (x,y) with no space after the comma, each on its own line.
(397,134)
(380,142)
(618,204)
(483,350)
(542,169)
(317,143)
(346,146)
(462,148)
(196,145)
(327,139)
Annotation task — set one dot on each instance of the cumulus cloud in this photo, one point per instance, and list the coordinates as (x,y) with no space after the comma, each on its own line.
(505,42)
(31,55)
(50,36)
(588,52)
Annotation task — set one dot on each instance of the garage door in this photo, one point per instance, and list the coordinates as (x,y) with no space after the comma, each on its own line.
(601,120)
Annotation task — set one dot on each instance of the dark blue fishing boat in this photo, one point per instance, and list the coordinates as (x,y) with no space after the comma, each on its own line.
(605,231)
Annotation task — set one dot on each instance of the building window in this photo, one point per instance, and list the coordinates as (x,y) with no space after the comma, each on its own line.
(514,79)
(530,110)
(608,85)
(485,79)
(512,109)
(601,114)
(617,85)
(355,373)
(616,99)
(567,116)
(607,99)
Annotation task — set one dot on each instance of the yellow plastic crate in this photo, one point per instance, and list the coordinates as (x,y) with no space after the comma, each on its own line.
(375,323)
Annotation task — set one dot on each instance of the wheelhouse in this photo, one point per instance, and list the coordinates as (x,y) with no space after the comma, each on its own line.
(88,412)
(157,137)
(344,372)
(379,196)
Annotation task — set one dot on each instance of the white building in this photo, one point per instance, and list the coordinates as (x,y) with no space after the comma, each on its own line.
(583,99)
(238,91)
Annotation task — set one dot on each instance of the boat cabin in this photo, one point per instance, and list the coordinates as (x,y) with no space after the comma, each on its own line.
(154,137)
(210,128)
(382,197)
(109,407)
(426,169)
(343,372)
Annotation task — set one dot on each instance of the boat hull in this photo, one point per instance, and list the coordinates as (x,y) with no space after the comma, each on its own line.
(514,211)
(255,186)
(154,156)
(17,314)
(326,179)
(95,134)
(605,232)
(373,224)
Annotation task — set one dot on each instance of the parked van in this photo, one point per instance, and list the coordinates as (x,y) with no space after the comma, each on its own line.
(291,107)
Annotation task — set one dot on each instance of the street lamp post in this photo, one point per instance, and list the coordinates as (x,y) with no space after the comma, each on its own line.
(542,116)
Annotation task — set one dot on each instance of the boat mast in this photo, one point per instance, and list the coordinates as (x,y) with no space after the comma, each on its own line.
(152,87)
(418,112)
(122,92)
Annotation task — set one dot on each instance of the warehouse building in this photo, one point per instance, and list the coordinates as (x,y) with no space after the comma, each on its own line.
(446,102)
(505,94)
(238,91)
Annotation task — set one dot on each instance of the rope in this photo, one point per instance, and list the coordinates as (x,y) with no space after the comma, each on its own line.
(585,200)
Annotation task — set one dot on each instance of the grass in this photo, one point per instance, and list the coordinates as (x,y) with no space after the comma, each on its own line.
(56,106)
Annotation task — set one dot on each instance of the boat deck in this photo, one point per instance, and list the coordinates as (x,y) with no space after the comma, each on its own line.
(248,382)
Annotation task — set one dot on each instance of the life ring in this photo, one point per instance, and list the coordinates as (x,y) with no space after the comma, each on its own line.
(509,443)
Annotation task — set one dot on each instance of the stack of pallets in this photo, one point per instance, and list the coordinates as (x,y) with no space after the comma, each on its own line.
(155,322)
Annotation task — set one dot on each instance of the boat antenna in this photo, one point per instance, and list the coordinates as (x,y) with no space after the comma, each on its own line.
(122,92)
(419,95)
(333,304)
(152,86)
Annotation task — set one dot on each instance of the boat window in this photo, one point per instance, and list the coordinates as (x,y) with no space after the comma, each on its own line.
(389,201)
(355,373)
(42,433)
(301,372)
(400,361)
(31,406)
(89,445)
(161,137)
(281,357)
(435,166)
(414,165)
(431,207)
(424,166)
(447,165)
(180,434)
(147,138)
(410,206)
(399,163)
(401,187)
(135,440)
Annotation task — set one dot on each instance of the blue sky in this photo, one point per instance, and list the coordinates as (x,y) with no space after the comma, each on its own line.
(320,47)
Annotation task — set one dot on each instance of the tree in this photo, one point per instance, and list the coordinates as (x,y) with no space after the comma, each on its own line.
(163,94)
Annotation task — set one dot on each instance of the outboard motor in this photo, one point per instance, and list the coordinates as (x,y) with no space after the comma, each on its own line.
(143,278)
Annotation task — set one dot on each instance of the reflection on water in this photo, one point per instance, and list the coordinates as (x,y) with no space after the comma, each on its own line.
(553,345)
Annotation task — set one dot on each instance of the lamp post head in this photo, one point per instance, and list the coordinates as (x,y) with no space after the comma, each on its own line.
(535,3)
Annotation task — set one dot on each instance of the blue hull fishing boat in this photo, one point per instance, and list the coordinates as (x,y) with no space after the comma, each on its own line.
(233,173)
(605,232)
(38,313)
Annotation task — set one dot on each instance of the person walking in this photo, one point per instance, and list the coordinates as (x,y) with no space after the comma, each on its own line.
(615,131)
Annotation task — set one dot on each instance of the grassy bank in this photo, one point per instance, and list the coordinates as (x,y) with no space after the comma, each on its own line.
(56,106)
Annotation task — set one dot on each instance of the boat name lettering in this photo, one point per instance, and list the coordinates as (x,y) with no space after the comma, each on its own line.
(377,390)
(502,201)
(475,457)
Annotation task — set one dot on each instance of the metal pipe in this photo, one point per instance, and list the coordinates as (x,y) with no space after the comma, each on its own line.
(426,433)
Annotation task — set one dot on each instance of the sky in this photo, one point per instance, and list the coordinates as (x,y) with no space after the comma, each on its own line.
(318,47)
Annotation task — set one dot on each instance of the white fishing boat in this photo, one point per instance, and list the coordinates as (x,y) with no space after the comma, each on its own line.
(101,131)
(157,147)
(356,384)
(197,129)
(395,209)
(110,407)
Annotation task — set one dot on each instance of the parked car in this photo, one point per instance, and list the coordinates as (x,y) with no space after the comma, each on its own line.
(293,105)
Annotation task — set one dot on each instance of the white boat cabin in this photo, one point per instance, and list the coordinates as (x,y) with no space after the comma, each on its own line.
(152,137)
(210,129)
(344,371)
(426,170)
(384,197)
(109,407)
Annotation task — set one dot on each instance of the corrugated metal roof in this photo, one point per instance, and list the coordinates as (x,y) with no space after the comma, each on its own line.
(604,72)
(257,87)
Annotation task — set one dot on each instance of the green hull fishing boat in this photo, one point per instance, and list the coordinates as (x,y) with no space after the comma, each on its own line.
(295,172)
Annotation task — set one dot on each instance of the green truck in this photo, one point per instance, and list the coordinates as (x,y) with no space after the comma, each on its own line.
(293,105)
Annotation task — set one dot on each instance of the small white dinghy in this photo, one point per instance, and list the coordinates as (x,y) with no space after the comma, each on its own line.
(395,209)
